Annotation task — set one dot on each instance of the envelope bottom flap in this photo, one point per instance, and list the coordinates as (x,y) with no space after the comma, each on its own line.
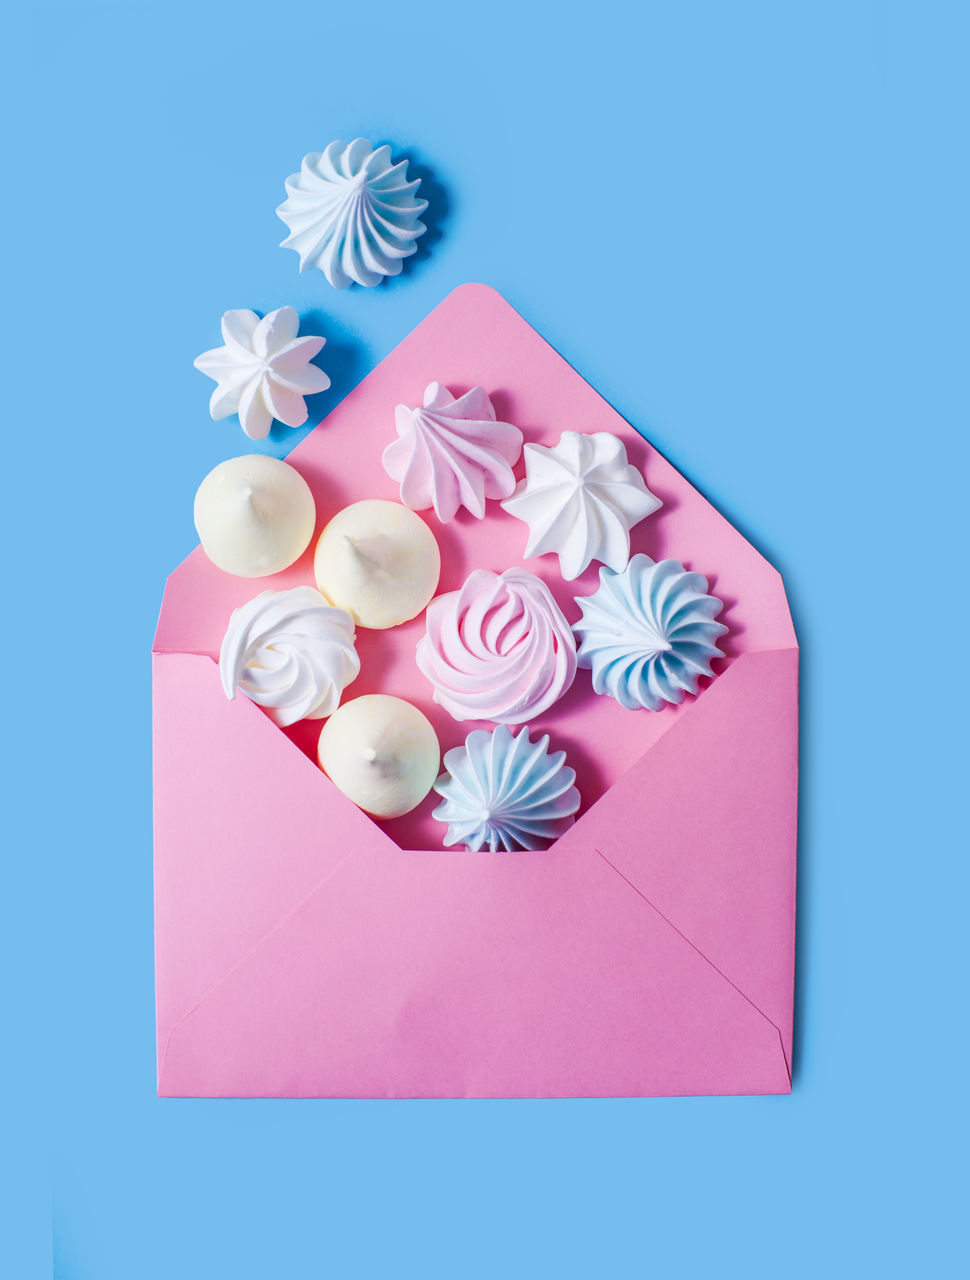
(442,975)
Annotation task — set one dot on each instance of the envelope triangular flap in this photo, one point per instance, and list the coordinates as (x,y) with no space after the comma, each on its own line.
(475,337)
(704,827)
(243,831)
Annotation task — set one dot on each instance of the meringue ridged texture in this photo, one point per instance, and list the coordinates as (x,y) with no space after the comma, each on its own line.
(580,500)
(452,453)
(263,371)
(648,634)
(505,793)
(353,213)
(290,652)
(498,649)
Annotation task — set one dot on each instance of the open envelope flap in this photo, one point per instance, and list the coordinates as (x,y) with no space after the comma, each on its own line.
(704,826)
(475,336)
(431,974)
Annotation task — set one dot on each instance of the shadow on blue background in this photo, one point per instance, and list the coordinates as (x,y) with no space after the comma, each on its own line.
(746,226)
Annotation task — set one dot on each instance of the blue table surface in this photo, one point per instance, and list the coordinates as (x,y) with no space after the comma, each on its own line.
(746,225)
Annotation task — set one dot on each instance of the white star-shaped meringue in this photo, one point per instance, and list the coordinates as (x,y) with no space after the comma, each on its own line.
(580,500)
(263,371)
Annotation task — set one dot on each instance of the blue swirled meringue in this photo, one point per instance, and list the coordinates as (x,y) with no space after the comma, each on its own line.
(648,634)
(290,652)
(505,792)
(353,213)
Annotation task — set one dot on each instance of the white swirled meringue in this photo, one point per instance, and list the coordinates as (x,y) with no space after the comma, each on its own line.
(499,649)
(353,213)
(263,371)
(648,634)
(291,652)
(580,499)
(452,453)
(505,793)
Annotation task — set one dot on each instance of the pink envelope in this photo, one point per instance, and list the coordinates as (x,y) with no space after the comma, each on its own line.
(304,950)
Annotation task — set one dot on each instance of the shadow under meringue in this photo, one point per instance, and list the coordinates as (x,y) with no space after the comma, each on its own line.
(434,217)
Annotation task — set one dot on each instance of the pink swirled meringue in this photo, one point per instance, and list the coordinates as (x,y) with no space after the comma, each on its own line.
(499,649)
(452,453)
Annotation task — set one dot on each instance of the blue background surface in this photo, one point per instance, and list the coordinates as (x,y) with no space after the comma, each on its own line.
(746,225)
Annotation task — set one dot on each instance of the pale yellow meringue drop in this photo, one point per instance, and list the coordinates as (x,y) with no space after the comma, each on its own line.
(254,515)
(381,752)
(379,561)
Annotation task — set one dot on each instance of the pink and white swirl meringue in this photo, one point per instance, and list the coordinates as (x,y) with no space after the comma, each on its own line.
(499,649)
(452,453)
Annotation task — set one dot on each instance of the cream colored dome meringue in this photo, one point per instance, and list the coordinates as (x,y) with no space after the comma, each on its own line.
(381,752)
(352,212)
(290,652)
(379,561)
(452,453)
(254,515)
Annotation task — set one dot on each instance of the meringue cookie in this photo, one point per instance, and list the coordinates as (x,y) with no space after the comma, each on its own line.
(499,649)
(580,499)
(290,652)
(381,752)
(452,453)
(263,371)
(648,634)
(505,792)
(379,561)
(352,213)
(254,515)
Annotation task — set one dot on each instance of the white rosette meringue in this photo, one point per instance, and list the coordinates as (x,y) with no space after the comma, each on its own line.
(648,634)
(452,453)
(353,213)
(291,652)
(263,371)
(580,500)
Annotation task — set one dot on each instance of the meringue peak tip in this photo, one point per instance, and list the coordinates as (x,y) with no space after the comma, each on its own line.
(352,545)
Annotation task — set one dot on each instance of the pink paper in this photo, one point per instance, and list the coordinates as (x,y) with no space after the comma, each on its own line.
(300,952)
